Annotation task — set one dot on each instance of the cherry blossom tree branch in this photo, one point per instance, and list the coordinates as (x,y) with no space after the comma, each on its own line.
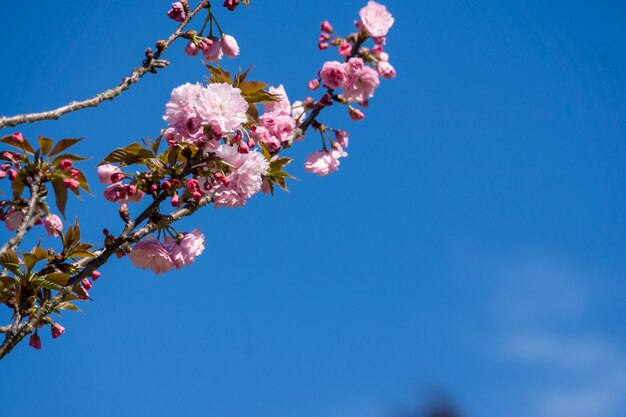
(33,213)
(131,233)
(150,64)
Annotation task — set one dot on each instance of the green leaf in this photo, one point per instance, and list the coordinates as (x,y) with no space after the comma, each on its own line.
(72,157)
(241,77)
(261,96)
(45,144)
(58,278)
(129,155)
(64,144)
(60,194)
(29,260)
(249,87)
(23,145)
(10,260)
(66,305)
(218,75)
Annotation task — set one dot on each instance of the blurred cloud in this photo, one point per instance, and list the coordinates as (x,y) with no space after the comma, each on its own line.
(569,368)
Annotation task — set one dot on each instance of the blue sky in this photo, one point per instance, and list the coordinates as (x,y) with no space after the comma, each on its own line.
(472,243)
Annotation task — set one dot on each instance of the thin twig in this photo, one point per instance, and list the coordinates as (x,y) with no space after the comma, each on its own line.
(151,64)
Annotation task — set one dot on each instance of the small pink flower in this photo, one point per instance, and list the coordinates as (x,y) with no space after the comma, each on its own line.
(12,174)
(95,275)
(386,70)
(151,254)
(177,12)
(65,164)
(175,200)
(333,74)
(214,52)
(18,137)
(229,46)
(105,171)
(35,341)
(323,163)
(191,49)
(13,219)
(52,223)
(326,26)
(75,174)
(362,81)
(345,49)
(376,19)
(57,330)
(322,45)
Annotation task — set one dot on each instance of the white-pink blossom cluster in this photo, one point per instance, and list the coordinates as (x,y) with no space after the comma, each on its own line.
(162,257)
(277,125)
(243,180)
(358,80)
(193,107)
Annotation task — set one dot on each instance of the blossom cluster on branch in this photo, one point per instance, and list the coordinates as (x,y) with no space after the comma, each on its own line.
(224,142)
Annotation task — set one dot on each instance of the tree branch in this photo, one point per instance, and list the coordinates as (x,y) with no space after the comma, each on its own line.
(32,215)
(151,64)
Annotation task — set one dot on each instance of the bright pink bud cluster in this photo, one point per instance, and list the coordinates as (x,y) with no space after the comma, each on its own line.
(213,49)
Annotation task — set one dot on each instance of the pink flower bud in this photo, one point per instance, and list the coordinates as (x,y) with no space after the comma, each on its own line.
(18,137)
(214,51)
(13,219)
(86,284)
(12,174)
(196,195)
(95,275)
(177,12)
(231,4)
(75,174)
(322,45)
(229,46)
(175,200)
(326,26)
(386,70)
(57,330)
(70,183)
(345,49)
(192,185)
(65,164)
(380,40)
(314,84)
(191,49)
(34,341)
(356,114)
(165,185)
(243,148)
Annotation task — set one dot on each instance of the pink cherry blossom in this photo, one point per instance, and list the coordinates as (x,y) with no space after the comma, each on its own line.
(13,219)
(345,49)
(376,19)
(180,108)
(151,254)
(221,106)
(362,81)
(282,106)
(342,138)
(105,171)
(334,74)
(243,181)
(323,163)
(52,223)
(184,252)
(229,46)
